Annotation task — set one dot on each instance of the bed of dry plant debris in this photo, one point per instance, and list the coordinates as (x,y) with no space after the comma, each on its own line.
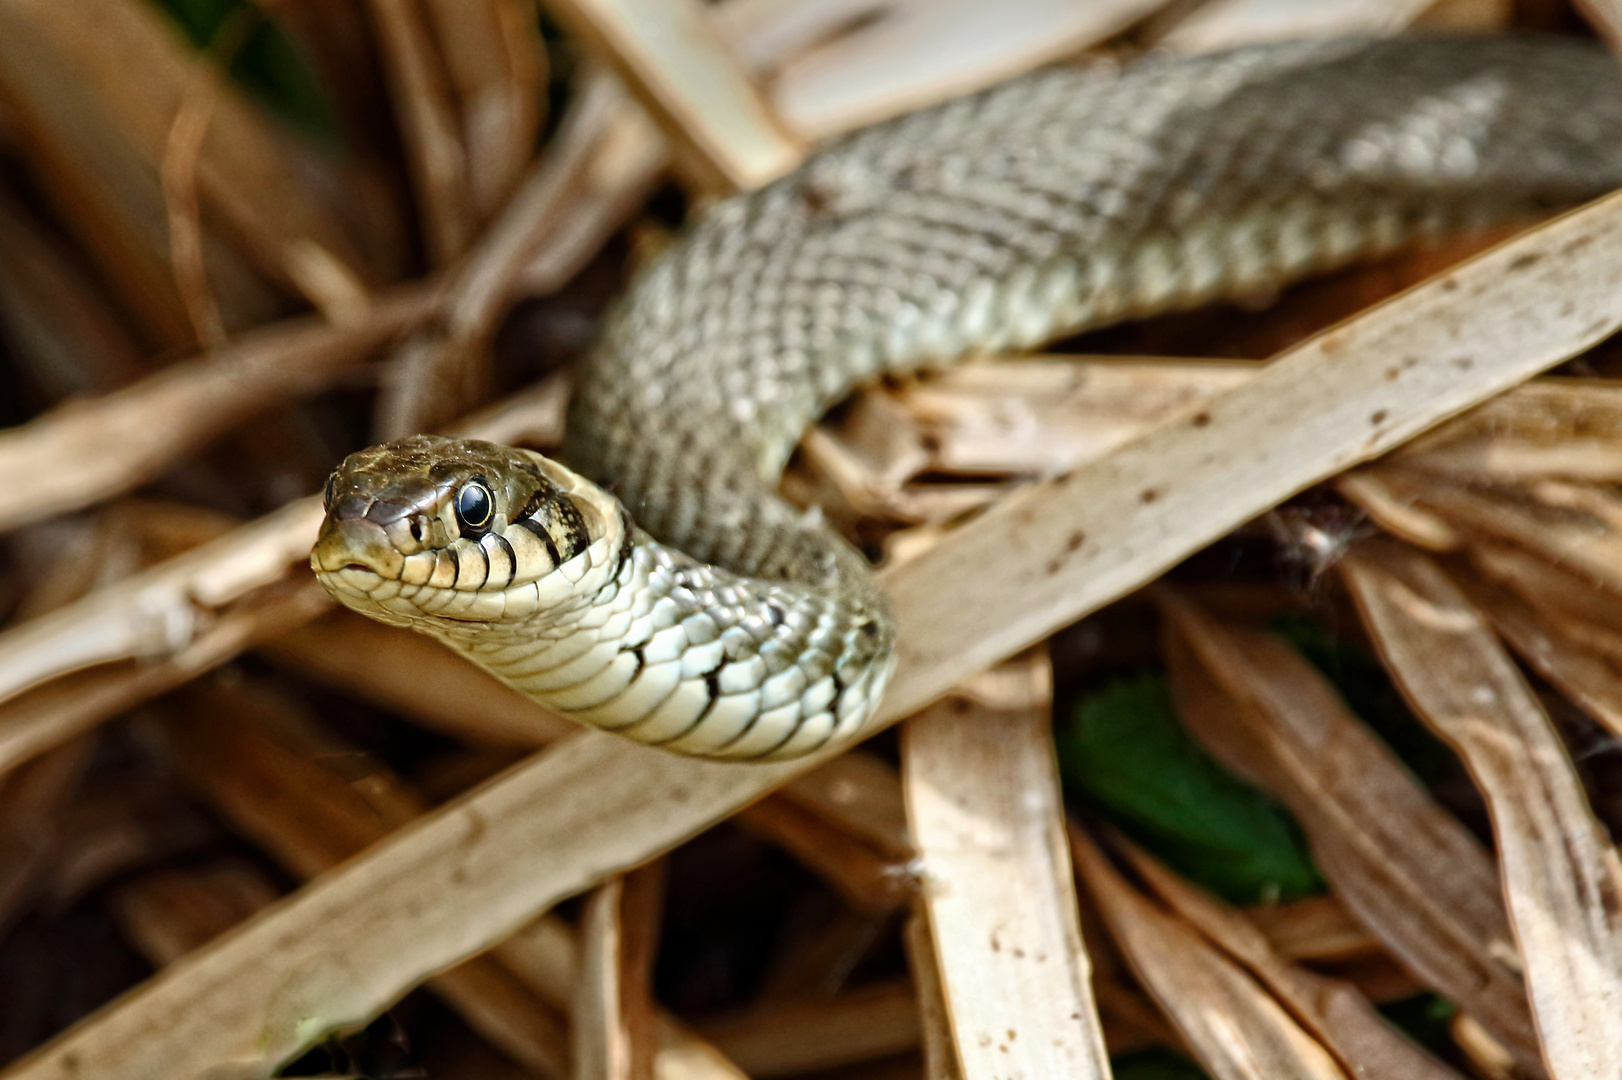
(1261,667)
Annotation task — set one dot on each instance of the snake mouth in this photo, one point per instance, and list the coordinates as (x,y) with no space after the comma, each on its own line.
(349,546)
(355,562)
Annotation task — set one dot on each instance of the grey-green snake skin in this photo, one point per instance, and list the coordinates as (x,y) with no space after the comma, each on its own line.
(1067,199)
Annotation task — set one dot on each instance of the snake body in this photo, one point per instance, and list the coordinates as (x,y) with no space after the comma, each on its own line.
(724,622)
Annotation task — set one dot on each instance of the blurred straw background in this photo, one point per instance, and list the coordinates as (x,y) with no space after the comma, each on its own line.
(1290,748)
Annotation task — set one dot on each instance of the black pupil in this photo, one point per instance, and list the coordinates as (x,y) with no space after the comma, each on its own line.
(473,504)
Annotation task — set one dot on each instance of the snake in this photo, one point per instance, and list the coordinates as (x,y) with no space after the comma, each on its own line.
(650,581)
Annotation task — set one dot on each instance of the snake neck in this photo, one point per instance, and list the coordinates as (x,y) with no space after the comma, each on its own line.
(673,652)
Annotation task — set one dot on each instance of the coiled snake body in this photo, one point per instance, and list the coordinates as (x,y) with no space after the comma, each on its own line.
(1064,200)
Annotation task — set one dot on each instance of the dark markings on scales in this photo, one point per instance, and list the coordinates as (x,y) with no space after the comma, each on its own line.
(555,521)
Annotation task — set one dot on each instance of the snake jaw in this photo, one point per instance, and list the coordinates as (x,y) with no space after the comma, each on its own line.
(359,568)
(353,560)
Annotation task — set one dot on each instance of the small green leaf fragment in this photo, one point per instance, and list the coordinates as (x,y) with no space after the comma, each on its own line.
(1126,754)
(1424,1018)
(268,65)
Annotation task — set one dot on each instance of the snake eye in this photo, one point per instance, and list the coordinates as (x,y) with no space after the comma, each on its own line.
(474,505)
(327,493)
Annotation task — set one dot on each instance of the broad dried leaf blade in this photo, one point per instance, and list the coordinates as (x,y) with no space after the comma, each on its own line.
(670,52)
(1410,870)
(1335,1013)
(1232,1025)
(1561,875)
(985,810)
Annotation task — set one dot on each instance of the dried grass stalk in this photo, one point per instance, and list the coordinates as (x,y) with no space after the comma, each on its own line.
(159,612)
(628,157)
(985,810)
(1222,24)
(1576,529)
(1409,870)
(859,793)
(305,797)
(819,960)
(1336,1014)
(48,716)
(32,799)
(165,416)
(911,53)
(169,913)
(178,175)
(602,163)
(507,1014)
(1041,415)
(602,1044)
(602,149)
(869,880)
(935,1024)
(427,120)
(641,917)
(683,1055)
(312,803)
(1606,18)
(1547,413)
(1380,493)
(532,417)
(764,34)
(1558,647)
(615,1030)
(103,189)
(1009,420)
(246,170)
(806,1034)
(545,955)
(1237,1031)
(1562,877)
(1318,928)
(671,55)
(1559,592)
(60,329)
(496,61)
(1568,428)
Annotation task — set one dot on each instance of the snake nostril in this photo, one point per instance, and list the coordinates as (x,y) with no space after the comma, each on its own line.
(419,530)
(356,566)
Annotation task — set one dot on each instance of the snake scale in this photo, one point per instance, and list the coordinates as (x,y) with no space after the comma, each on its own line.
(722,622)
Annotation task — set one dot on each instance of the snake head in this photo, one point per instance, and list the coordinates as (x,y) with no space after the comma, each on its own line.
(446,534)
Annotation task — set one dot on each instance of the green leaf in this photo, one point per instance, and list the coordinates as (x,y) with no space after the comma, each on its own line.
(1126,754)
(1423,1018)
(1156,1064)
(268,65)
